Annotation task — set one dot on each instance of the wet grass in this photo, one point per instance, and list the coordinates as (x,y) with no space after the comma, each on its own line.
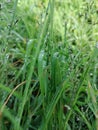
(48,65)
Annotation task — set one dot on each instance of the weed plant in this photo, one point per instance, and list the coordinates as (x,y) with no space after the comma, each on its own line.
(48,65)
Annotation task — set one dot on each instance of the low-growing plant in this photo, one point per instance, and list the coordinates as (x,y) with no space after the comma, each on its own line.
(48,65)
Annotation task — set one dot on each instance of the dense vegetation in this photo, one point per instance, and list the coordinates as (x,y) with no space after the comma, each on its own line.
(48,65)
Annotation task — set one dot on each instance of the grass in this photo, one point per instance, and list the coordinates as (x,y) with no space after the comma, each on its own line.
(48,65)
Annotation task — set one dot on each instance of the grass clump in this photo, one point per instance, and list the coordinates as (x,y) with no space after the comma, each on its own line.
(48,65)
